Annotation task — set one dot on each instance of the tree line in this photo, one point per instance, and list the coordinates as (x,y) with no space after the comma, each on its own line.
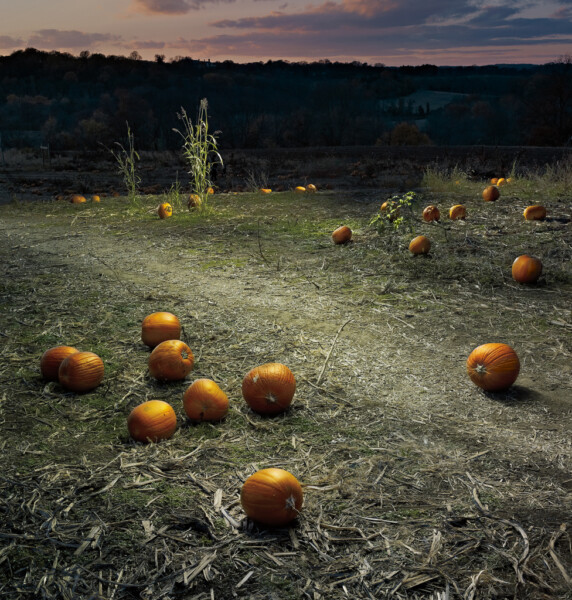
(84,102)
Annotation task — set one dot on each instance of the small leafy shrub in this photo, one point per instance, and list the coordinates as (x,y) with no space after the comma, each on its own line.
(396,213)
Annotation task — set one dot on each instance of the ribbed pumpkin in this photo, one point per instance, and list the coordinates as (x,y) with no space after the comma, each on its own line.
(493,367)
(165,210)
(535,212)
(78,199)
(272,497)
(269,388)
(205,401)
(81,371)
(52,359)
(342,235)
(491,193)
(526,269)
(152,421)
(159,327)
(171,360)
(431,213)
(420,245)
(457,212)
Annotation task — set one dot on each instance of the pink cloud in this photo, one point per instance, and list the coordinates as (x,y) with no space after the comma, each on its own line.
(55,38)
(170,7)
(9,42)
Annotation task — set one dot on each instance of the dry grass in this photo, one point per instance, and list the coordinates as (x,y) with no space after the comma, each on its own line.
(417,485)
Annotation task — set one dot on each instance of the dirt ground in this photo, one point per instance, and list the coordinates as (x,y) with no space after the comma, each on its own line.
(417,484)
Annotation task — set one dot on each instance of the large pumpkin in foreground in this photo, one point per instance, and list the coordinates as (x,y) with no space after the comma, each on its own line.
(342,235)
(52,359)
(431,213)
(420,245)
(81,371)
(171,360)
(269,388)
(535,212)
(272,497)
(493,367)
(165,210)
(205,401)
(491,193)
(152,421)
(526,269)
(159,327)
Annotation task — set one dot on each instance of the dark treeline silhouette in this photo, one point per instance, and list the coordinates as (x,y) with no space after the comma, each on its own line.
(84,102)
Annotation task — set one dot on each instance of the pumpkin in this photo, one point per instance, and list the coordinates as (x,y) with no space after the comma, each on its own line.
(311,187)
(210,190)
(52,359)
(494,180)
(526,269)
(493,367)
(391,209)
(269,388)
(491,193)
(300,189)
(152,421)
(536,212)
(194,201)
(165,210)
(77,199)
(159,327)
(420,245)
(171,360)
(457,212)
(95,199)
(431,213)
(501,181)
(342,235)
(272,497)
(81,371)
(205,401)
(265,190)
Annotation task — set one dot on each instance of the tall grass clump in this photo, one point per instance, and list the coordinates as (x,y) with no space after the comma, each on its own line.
(200,151)
(126,159)
(443,181)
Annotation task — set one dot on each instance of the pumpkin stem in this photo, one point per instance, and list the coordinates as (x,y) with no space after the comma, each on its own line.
(481,369)
(291,503)
(271,398)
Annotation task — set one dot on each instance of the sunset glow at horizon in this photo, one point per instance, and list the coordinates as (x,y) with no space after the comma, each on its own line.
(443,32)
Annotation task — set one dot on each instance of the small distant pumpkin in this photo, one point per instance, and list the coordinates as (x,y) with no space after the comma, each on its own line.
(265,190)
(78,199)
(269,388)
(526,269)
(491,193)
(458,211)
(342,235)
(210,190)
(494,180)
(95,198)
(272,497)
(431,213)
(204,400)
(493,367)
(171,360)
(300,189)
(311,188)
(194,201)
(52,359)
(391,210)
(535,212)
(159,327)
(501,181)
(152,421)
(81,371)
(420,245)
(165,210)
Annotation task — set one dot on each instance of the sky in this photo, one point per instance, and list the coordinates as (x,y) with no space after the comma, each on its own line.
(390,32)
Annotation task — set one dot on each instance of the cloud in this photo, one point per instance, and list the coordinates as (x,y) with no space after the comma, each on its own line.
(10,42)
(49,39)
(170,7)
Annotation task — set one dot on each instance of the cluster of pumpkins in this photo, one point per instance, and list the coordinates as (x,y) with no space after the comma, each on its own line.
(525,268)
(270,496)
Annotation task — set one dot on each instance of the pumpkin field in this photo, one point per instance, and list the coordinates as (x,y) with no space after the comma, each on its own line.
(402,471)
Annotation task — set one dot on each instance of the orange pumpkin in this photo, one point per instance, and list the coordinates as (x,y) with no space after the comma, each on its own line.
(81,371)
(491,193)
(536,212)
(300,189)
(159,327)
(493,367)
(311,187)
(501,181)
(78,199)
(272,497)
(52,359)
(431,213)
(342,235)
(265,190)
(420,245)
(152,421)
(526,269)
(194,201)
(205,401)
(494,180)
(457,212)
(171,360)
(95,199)
(165,210)
(269,388)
